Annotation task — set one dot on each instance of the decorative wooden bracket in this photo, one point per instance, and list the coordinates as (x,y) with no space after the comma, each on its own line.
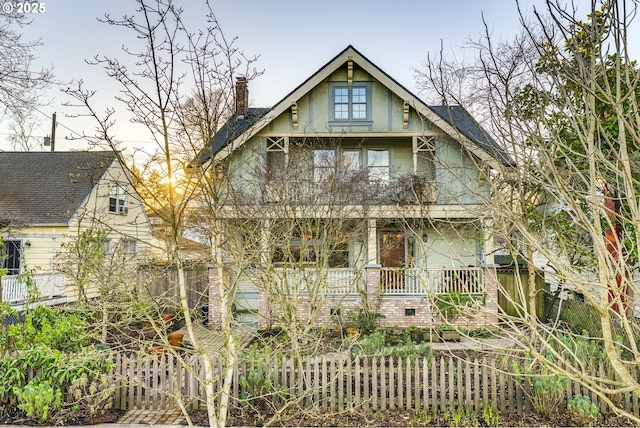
(405,116)
(350,72)
(294,116)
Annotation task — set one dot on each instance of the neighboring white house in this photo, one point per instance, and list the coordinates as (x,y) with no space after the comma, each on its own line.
(48,199)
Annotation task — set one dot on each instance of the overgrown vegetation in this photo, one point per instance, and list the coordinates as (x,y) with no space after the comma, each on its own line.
(59,343)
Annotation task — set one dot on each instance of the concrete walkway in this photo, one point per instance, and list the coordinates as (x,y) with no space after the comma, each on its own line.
(467,343)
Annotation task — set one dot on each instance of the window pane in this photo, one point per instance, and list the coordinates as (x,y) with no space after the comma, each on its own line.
(341,111)
(378,162)
(359,95)
(351,160)
(275,165)
(341,95)
(324,165)
(359,111)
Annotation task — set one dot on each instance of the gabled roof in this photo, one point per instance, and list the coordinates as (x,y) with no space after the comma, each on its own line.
(42,188)
(453,120)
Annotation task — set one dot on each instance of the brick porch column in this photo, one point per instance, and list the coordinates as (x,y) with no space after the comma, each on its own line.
(265,319)
(372,279)
(491,285)
(215,311)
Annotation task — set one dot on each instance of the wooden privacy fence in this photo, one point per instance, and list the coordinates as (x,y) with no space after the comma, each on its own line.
(336,383)
(163,282)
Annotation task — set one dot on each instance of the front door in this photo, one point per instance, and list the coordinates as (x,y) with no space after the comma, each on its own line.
(392,249)
(392,256)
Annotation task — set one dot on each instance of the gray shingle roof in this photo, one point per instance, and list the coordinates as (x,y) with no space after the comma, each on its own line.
(462,120)
(47,187)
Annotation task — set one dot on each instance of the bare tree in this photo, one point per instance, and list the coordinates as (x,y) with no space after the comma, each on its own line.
(158,93)
(562,95)
(21,86)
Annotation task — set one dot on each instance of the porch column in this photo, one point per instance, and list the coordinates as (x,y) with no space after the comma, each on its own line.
(372,278)
(215,311)
(488,246)
(491,285)
(372,242)
(265,320)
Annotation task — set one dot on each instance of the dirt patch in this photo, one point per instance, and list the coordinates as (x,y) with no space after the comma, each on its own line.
(13,416)
(394,419)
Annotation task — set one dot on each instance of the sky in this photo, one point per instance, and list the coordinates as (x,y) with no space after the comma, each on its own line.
(293,39)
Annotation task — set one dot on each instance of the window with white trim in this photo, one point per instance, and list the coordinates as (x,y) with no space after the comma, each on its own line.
(11,256)
(129,246)
(106,246)
(118,200)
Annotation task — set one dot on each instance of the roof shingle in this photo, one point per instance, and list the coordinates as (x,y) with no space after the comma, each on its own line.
(47,187)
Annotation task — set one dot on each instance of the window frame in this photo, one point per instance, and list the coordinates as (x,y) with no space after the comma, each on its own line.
(350,103)
(118,194)
(370,167)
(128,246)
(15,257)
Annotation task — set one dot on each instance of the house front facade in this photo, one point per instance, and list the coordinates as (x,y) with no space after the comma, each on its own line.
(353,194)
(47,202)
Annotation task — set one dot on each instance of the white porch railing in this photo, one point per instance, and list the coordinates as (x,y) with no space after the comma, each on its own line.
(418,281)
(337,281)
(49,286)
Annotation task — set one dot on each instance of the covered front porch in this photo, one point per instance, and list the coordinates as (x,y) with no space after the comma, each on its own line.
(403,295)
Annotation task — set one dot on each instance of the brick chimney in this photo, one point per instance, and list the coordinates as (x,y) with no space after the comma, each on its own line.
(242,97)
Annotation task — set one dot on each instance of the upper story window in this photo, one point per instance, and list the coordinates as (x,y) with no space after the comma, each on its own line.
(378,164)
(351,103)
(277,151)
(118,201)
(331,163)
(324,165)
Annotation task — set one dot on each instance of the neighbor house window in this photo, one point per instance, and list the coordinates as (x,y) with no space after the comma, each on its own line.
(129,246)
(351,102)
(118,200)
(378,164)
(11,257)
(106,245)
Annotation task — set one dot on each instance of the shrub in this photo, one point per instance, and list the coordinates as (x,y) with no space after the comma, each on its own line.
(38,399)
(544,388)
(582,410)
(366,321)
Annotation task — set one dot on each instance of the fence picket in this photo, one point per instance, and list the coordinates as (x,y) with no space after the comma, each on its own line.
(434,383)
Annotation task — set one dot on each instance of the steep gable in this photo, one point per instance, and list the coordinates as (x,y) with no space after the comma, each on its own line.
(40,188)
(452,120)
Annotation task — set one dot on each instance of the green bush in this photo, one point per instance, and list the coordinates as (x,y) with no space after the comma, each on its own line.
(367,322)
(38,399)
(582,410)
(56,328)
(544,388)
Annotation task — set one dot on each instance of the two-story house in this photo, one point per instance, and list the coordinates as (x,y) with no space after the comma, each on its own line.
(47,200)
(355,194)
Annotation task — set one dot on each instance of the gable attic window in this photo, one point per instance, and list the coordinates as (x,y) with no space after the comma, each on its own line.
(350,103)
(118,203)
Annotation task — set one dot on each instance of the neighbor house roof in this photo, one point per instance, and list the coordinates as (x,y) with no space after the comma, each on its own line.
(454,120)
(41,188)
